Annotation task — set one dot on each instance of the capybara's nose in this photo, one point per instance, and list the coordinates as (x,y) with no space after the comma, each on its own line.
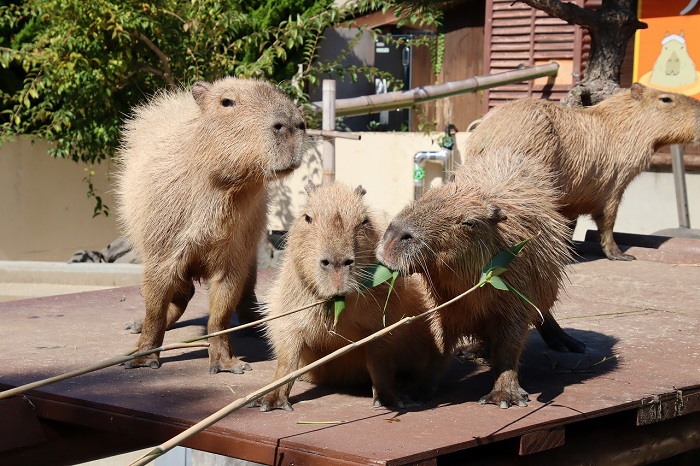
(396,233)
(337,264)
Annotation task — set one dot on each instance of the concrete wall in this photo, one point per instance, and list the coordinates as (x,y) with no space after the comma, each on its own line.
(45,215)
(44,210)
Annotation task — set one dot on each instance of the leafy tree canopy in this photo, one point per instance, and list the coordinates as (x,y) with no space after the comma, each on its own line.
(70,70)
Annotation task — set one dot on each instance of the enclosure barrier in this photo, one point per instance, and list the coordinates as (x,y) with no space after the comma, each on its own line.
(365,105)
(330,107)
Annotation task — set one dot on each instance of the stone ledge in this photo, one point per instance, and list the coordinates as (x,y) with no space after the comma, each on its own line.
(91,274)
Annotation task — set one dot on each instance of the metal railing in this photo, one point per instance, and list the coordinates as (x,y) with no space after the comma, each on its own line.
(365,105)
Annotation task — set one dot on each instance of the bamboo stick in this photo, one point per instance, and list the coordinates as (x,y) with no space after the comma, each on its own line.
(132,354)
(333,134)
(241,402)
(113,361)
(376,103)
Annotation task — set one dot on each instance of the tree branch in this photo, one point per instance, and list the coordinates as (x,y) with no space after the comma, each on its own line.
(166,73)
(569,12)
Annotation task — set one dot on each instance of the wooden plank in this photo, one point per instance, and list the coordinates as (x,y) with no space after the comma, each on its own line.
(541,440)
(21,427)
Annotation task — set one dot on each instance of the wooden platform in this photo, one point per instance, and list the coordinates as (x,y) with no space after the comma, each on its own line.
(641,404)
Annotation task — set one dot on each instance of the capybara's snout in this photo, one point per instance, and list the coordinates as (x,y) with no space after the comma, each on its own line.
(395,243)
(289,134)
(337,270)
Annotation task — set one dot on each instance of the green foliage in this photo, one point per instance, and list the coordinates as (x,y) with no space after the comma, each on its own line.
(71,70)
(499,264)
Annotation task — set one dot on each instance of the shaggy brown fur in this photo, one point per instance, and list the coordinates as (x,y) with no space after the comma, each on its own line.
(192,197)
(328,247)
(595,152)
(450,234)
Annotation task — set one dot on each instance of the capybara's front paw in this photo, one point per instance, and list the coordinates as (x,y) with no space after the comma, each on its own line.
(274,400)
(229,365)
(135,326)
(151,360)
(506,398)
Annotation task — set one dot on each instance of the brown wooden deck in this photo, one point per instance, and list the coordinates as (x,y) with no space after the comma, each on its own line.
(640,406)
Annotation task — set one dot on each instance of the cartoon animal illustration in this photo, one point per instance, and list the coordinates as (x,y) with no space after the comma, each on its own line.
(674,67)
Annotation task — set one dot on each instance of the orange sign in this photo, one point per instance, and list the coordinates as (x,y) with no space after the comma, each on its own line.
(667,53)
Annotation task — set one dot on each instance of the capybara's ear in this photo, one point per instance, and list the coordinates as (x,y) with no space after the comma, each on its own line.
(199,89)
(495,213)
(360,191)
(310,187)
(637,90)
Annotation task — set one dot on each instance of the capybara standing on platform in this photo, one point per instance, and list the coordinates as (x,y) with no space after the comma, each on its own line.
(595,152)
(451,233)
(328,250)
(192,197)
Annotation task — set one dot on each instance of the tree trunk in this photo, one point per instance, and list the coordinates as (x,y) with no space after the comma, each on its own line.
(611,27)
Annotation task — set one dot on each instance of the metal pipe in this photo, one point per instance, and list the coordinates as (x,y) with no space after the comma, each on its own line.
(442,156)
(328,124)
(678,168)
(365,105)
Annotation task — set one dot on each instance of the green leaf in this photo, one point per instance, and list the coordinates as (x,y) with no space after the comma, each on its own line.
(375,275)
(502,260)
(338,307)
(498,283)
(394,275)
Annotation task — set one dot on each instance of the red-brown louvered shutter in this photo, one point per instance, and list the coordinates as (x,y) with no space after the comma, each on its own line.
(517,35)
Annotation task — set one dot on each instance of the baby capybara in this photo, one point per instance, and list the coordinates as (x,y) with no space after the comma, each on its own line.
(594,152)
(329,247)
(192,197)
(451,233)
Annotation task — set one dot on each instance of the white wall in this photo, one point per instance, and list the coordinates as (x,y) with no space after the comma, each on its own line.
(45,215)
(649,205)
(44,210)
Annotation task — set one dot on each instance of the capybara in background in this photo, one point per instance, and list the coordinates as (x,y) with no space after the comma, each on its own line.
(192,197)
(451,233)
(328,249)
(594,152)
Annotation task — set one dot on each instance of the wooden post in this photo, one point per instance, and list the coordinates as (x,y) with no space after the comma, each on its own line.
(678,168)
(328,125)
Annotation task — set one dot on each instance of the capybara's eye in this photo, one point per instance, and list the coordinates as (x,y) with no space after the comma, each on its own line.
(307,218)
(227,103)
(278,126)
(365,221)
(469,223)
(666,99)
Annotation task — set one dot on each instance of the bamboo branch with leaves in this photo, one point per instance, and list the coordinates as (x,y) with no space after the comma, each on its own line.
(380,274)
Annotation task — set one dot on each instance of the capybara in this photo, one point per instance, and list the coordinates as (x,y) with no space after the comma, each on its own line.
(595,152)
(451,233)
(192,198)
(329,247)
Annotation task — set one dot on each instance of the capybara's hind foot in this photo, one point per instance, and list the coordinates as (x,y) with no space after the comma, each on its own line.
(135,326)
(151,360)
(621,257)
(401,402)
(506,398)
(614,254)
(273,400)
(229,365)
(557,339)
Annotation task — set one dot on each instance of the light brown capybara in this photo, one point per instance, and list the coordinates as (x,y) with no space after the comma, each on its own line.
(192,198)
(329,247)
(451,233)
(595,152)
